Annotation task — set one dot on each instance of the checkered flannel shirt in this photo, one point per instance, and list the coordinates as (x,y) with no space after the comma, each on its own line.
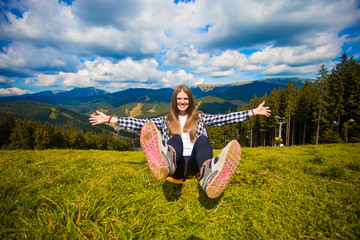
(204,120)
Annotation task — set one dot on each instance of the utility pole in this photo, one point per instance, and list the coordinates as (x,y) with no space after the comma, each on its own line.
(278,140)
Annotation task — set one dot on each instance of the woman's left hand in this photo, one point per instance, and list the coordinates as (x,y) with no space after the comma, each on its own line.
(261,110)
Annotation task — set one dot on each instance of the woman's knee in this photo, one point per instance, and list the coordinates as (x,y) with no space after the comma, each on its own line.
(202,140)
(175,139)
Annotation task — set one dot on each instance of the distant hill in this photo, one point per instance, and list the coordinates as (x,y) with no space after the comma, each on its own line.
(284,81)
(44,112)
(76,92)
(215,89)
(141,102)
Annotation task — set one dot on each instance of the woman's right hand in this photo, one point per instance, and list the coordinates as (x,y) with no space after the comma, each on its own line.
(98,118)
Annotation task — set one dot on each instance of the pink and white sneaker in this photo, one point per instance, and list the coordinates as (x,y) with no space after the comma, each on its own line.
(216,173)
(159,155)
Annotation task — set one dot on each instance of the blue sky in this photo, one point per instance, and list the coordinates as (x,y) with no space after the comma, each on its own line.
(119,44)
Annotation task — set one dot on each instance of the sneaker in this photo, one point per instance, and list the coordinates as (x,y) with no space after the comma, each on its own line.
(159,155)
(217,172)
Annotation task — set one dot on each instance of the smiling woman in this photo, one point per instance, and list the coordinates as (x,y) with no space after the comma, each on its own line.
(182,148)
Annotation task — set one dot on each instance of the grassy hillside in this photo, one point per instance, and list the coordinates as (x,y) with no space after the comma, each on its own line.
(308,192)
(215,105)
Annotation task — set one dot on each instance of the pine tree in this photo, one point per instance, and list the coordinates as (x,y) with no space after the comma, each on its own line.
(266,125)
(290,108)
(254,124)
(274,104)
(350,75)
(44,136)
(77,140)
(320,84)
(22,135)
(6,126)
(304,110)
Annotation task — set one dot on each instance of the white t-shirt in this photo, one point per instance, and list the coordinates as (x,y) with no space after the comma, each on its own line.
(188,145)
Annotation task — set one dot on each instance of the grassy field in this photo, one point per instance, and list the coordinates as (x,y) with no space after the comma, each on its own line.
(305,192)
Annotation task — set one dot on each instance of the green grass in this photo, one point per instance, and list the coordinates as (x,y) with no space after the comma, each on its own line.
(307,192)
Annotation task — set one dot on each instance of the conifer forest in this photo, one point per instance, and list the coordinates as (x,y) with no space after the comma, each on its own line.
(324,111)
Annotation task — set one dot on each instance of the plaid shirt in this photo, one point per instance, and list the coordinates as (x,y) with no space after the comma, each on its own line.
(204,120)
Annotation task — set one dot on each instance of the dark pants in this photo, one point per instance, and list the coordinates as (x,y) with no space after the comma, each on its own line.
(187,166)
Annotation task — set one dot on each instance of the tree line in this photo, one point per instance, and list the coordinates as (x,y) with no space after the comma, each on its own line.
(324,111)
(26,134)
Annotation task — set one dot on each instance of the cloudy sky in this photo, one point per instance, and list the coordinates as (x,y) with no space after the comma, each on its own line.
(119,44)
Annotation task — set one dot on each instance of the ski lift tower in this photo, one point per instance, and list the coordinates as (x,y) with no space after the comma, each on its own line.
(279,140)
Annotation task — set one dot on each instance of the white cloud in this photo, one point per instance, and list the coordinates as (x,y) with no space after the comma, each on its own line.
(225,64)
(42,80)
(185,57)
(203,70)
(12,91)
(233,59)
(323,48)
(285,69)
(172,79)
(3,79)
(123,74)
(222,73)
(6,82)
(26,58)
(229,59)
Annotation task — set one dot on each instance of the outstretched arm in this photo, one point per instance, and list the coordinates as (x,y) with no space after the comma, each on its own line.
(100,117)
(261,110)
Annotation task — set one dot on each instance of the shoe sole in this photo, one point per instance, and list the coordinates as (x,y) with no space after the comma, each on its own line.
(150,139)
(217,185)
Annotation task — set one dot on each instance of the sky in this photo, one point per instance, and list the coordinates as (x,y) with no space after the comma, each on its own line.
(119,44)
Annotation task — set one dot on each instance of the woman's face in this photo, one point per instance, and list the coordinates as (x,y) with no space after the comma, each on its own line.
(182,101)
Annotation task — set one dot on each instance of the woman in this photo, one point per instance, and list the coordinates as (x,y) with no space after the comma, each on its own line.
(182,149)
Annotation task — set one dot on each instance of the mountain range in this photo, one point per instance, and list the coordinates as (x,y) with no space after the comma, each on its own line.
(141,102)
(72,108)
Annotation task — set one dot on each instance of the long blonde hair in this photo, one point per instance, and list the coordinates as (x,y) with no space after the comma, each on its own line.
(192,118)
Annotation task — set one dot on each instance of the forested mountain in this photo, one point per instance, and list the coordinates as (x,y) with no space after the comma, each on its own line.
(44,112)
(36,125)
(155,102)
